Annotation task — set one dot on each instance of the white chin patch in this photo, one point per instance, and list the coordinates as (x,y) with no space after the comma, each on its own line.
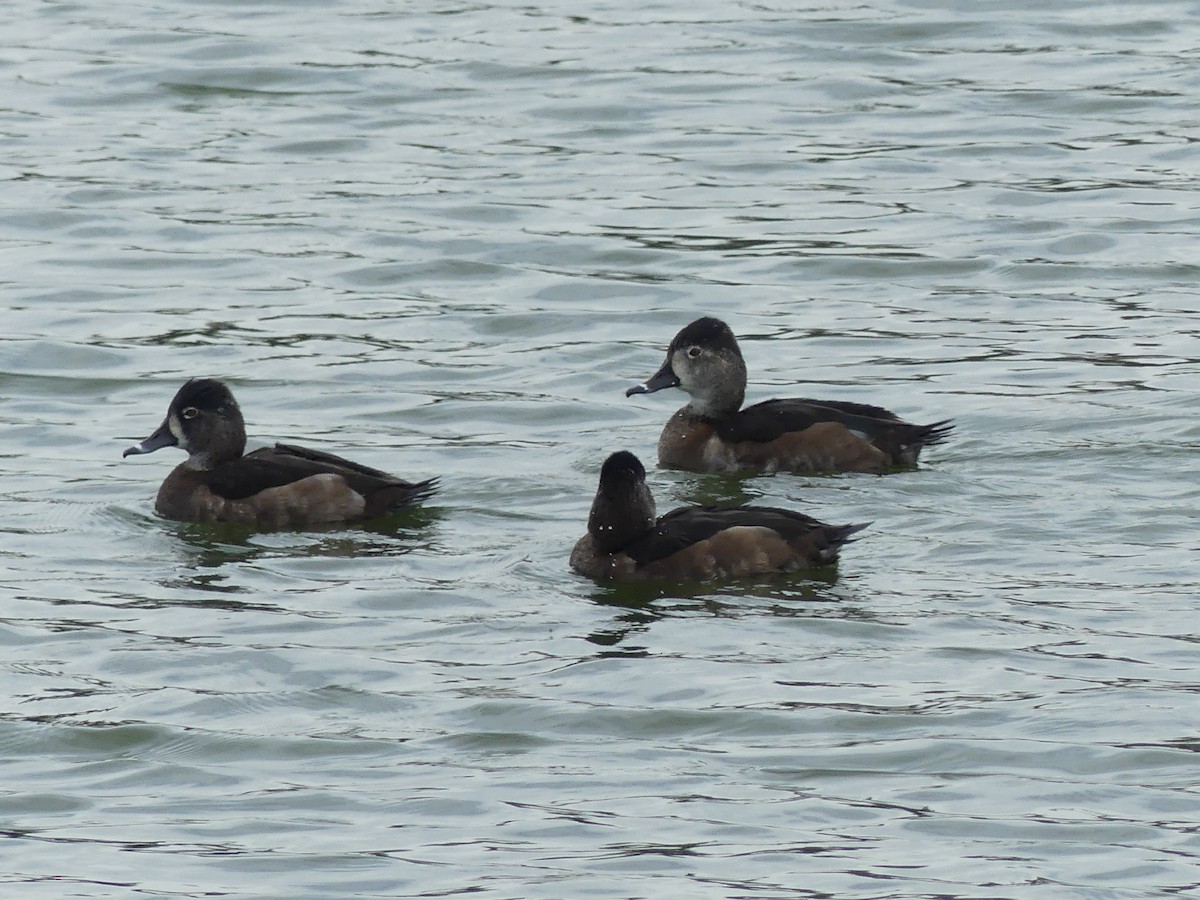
(177,430)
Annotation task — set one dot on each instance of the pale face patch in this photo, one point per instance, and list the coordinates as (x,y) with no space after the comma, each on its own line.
(176,427)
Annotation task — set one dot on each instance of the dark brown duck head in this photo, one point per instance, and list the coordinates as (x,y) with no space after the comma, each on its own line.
(204,421)
(623,509)
(705,362)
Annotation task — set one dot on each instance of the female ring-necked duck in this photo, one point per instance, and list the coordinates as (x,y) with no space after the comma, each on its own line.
(627,542)
(714,434)
(276,487)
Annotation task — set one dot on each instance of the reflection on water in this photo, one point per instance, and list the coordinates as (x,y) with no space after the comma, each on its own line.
(722,489)
(643,603)
(210,553)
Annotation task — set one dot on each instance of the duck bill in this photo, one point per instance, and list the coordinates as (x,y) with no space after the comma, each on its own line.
(162,437)
(663,378)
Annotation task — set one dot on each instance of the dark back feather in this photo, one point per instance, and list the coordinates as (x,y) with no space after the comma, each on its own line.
(772,419)
(285,464)
(681,528)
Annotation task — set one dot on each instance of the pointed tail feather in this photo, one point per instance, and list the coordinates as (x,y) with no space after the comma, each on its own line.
(912,439)
(420,491)
(937,432)
(839,536)
(400,496)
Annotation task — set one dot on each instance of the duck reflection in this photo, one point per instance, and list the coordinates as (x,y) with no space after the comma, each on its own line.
(210,555)
(714,490)
(640,604)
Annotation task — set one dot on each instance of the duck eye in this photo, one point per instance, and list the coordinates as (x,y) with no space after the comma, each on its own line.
(693,352)
(190,412)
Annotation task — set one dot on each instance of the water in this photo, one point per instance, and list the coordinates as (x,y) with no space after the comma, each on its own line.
(443,238)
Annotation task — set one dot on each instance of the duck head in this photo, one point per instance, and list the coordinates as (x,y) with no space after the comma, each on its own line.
(204,421)
(705,362)
(623,509)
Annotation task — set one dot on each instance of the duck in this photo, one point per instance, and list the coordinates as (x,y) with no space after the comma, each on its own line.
(284,486)
(714,433)
(627,541)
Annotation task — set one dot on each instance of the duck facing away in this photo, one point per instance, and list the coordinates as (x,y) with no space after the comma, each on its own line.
(275,487)
(713,433)
(626,541)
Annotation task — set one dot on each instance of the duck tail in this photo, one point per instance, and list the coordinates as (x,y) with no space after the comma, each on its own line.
(935,433)
(420,491)
(837,536)
(400,495)
(910,440)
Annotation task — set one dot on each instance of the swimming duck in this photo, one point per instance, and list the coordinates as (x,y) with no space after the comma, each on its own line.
(713,433)
(276,487)
(627,542)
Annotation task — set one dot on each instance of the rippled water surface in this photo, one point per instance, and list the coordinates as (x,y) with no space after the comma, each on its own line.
(443,238)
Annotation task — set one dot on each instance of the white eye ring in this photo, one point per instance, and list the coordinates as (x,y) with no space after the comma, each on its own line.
(693,352)
(190,412)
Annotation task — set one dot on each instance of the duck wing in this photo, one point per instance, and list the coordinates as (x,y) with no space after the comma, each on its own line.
(688,525)
(771,419)
(285,464)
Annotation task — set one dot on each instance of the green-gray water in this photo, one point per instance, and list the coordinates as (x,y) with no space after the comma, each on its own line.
(442,239)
